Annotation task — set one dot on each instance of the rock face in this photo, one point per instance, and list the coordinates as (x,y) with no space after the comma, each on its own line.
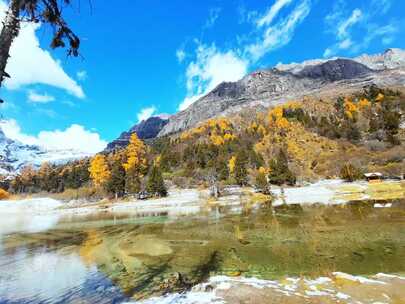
(334,70)
(146,129)
(14,155)
(390,59)
(269,87)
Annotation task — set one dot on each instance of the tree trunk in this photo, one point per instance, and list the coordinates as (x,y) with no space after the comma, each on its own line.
(10,30)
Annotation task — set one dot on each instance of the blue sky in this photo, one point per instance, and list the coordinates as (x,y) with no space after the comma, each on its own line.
(150,57)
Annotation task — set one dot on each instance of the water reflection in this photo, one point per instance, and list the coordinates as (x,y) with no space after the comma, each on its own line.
(109,256)
(41,276)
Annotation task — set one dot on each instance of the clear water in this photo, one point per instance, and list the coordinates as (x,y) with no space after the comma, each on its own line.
(110,258)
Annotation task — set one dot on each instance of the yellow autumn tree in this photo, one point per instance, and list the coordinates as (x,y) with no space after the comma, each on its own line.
(364,103)
(99,171)
(232,164)
(276,118)
(380,97)
(4,194)
(136,164)
(350,107)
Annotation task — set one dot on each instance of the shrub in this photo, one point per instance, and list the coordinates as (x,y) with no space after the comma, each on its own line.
(4,194)
(350,173)
(261,182)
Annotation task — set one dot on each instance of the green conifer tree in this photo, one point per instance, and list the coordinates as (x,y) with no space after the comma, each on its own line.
(279,172)
(155,184)
(240,171)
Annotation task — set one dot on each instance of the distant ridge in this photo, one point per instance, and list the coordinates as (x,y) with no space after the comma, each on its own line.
(146,129)
(267,87)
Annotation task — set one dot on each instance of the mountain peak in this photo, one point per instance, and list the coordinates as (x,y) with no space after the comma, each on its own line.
(267,87)
(146,129)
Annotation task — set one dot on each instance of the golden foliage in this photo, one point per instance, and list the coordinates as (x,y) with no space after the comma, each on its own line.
(27,174)
(4,194)
(136,155)
(263,170)
(232,164)
(276,113)
(229,137)
(99,171)
(218,130)
(217,140)
(301,146)
(380,97)
(350,108)
(157,160)
(276,119)
(364,103)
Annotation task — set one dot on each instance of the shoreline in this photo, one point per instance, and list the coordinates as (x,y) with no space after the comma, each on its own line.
(190,201)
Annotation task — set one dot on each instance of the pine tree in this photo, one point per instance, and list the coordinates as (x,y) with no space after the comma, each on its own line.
(45,176)
(155,184)
(240,171)
(279,172)
(116,183)
(99,171)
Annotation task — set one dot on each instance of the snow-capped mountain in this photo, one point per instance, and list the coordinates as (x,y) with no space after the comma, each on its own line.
(14,155)
(390,59)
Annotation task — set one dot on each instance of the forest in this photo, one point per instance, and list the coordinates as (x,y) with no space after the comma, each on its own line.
(288,144)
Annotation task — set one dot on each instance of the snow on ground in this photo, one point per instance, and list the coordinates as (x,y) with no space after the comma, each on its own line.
(338,288)
(335,192)
(33,205)
(178,202)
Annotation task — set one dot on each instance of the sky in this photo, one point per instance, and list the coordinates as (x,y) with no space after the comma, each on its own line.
(142,58)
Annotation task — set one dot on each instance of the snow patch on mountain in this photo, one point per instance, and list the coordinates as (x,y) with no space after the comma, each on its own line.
(391,59)
(15,155)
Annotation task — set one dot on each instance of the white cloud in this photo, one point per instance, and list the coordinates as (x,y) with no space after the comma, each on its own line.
(145,113)
(209,69)
(75,137)
(181,55)
(355,30)
(37,68)
(345,25)
(278,34)
(81,75)
(13,131)
(345,44)
(272,12)
(39,98)
(211,65)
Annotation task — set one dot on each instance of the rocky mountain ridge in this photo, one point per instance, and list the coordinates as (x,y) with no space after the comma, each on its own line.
(146,129)
(279,84)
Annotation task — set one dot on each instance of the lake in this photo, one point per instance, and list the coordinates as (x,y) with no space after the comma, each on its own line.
(121,257)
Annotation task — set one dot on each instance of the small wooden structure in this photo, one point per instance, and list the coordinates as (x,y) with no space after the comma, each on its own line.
(373,176)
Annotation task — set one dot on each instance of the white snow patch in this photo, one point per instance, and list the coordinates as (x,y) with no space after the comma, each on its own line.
(389,276)
(343,296)
(389,205)
(34,205)
(321,192)
(359,279)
